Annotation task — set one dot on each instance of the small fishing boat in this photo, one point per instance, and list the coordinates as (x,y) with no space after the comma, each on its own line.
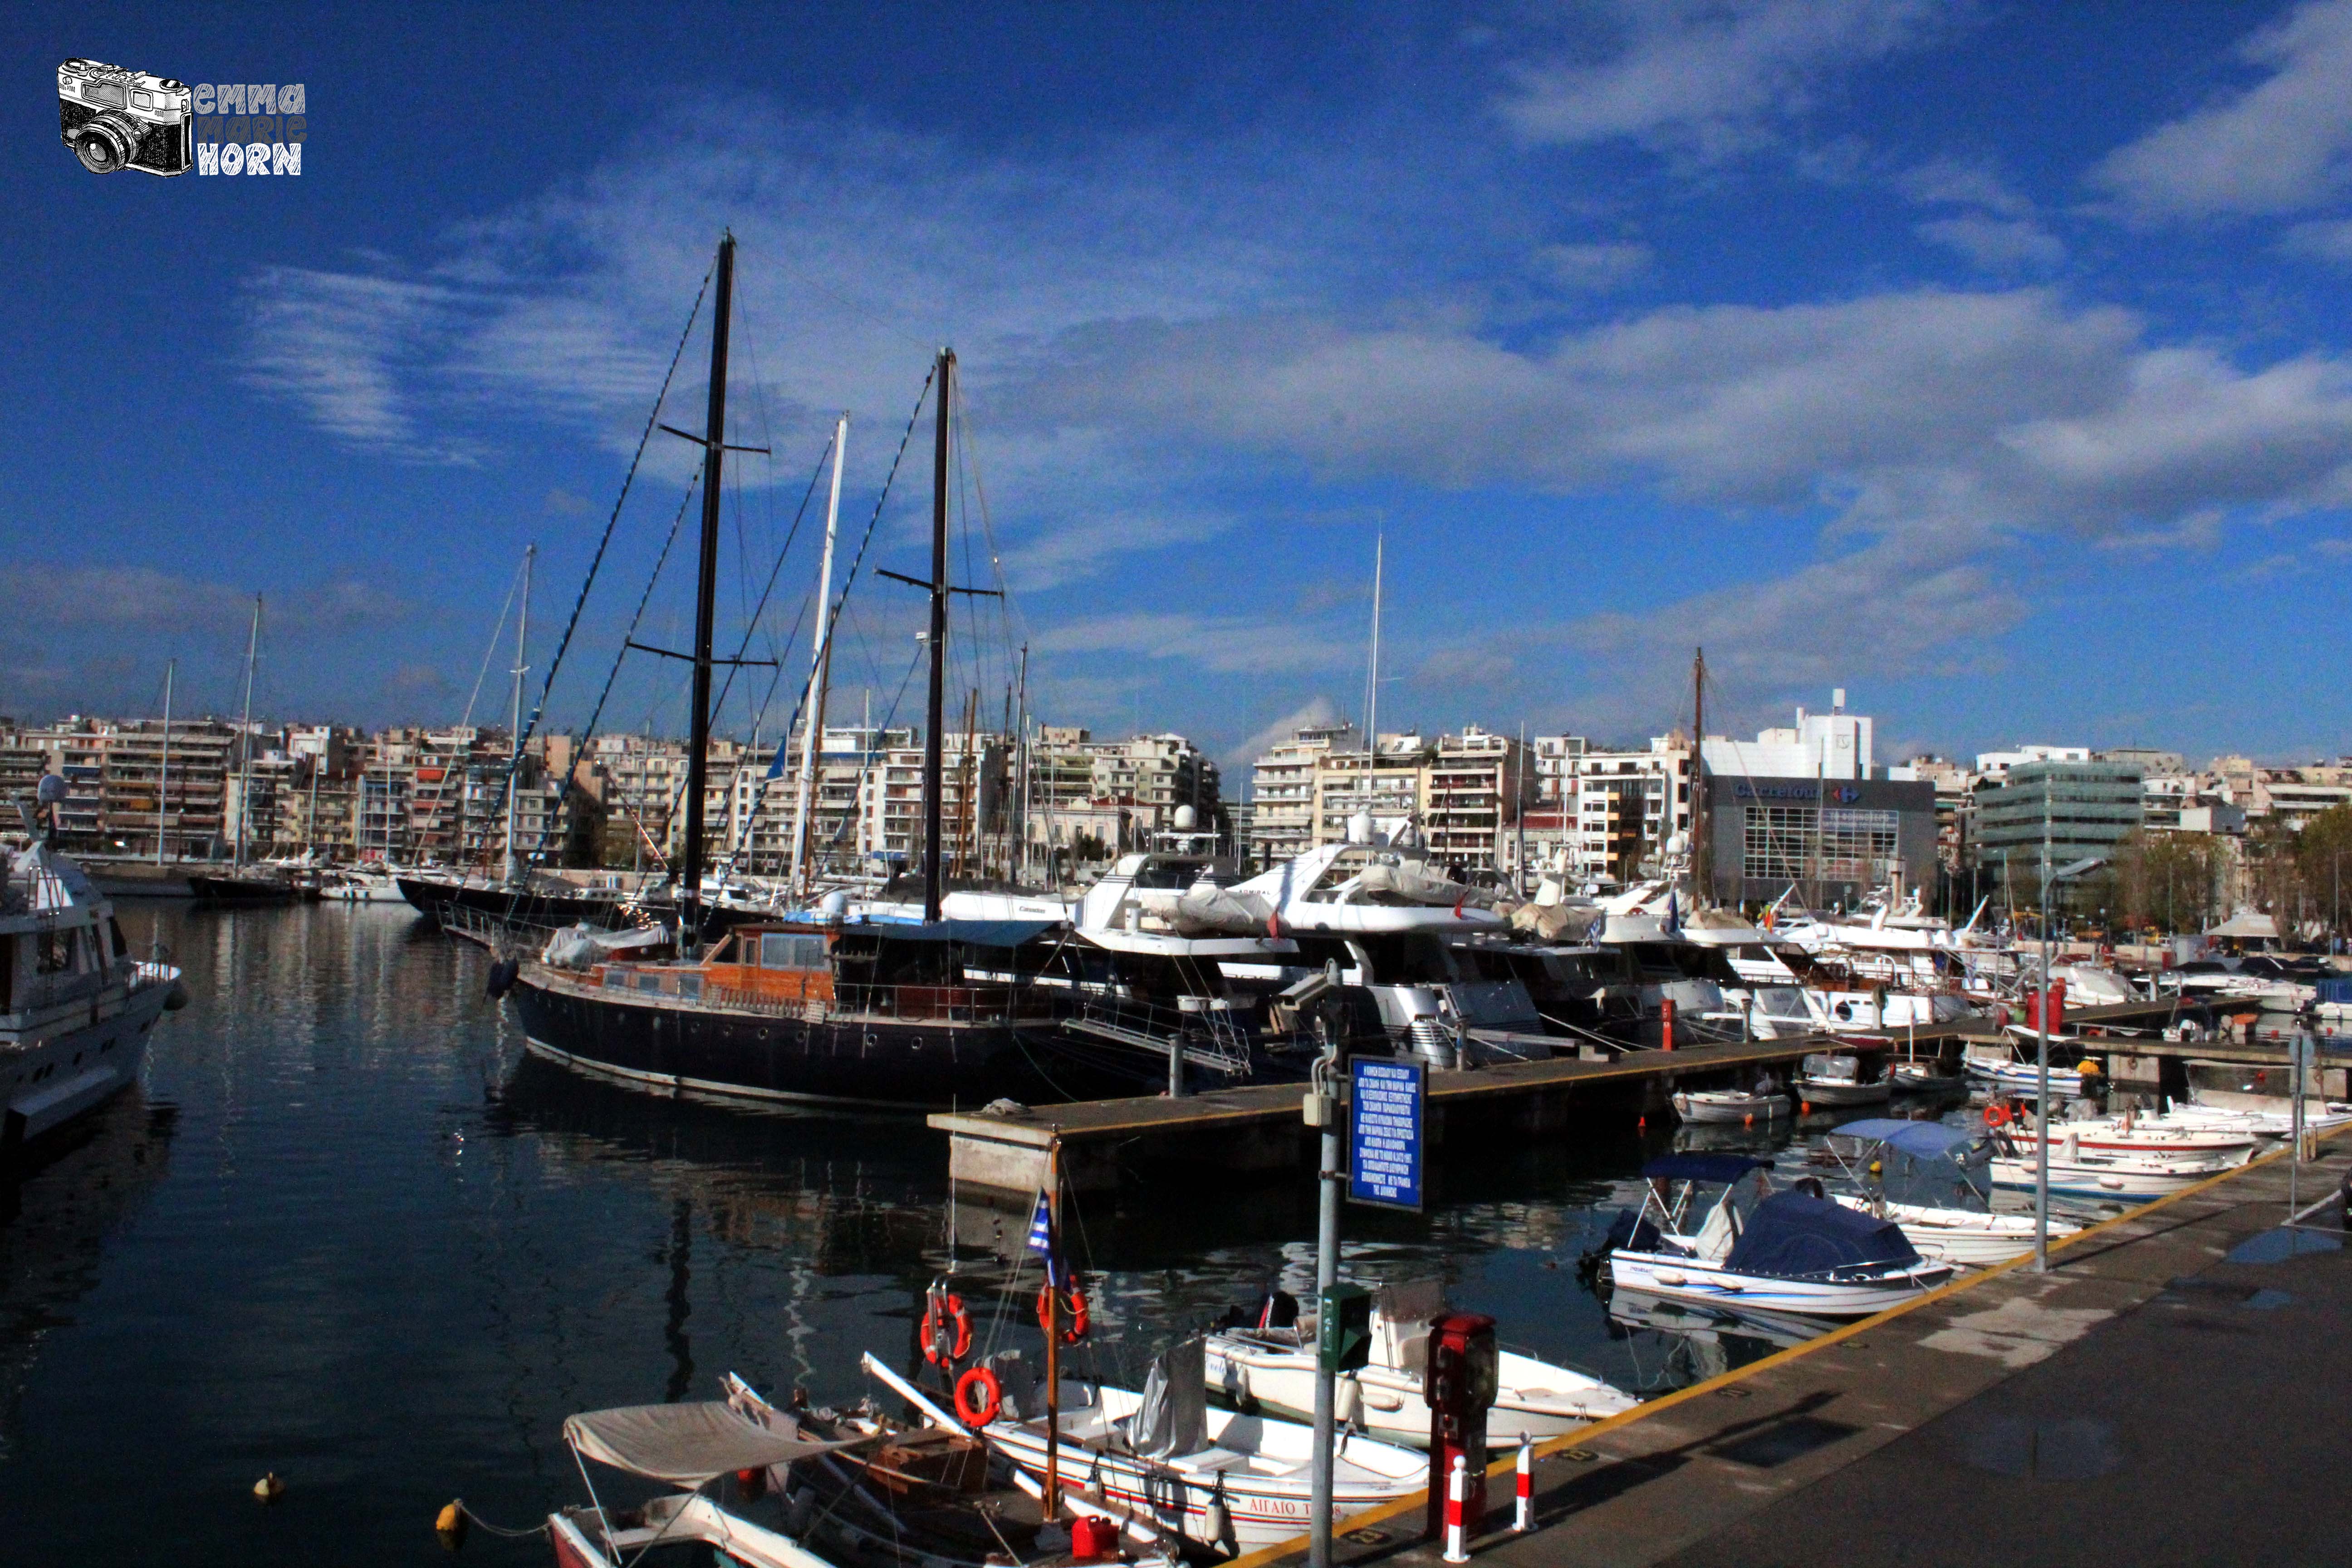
(1795,1252)
(1976,1237)
(1220,1480)
(1272,1369)
(2016,1077)
(709,1452)
(2118,1176)
(1737,1108)
(1841,1078)
(2129,1133)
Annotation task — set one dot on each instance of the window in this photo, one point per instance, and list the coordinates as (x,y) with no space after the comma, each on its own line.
(780,951)
(1791,842)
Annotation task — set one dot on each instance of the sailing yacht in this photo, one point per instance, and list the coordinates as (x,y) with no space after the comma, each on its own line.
(843,1007)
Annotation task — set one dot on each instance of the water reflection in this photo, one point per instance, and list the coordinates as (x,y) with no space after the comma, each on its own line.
(55,1217)
(389,1252)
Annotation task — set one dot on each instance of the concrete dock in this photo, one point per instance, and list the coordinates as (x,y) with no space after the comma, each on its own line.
(2170,1392)
(1258,1128)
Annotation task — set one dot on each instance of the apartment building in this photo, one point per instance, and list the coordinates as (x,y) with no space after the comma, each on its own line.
(1464,789)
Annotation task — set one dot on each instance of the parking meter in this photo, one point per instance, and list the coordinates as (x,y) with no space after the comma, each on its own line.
(1458,1382)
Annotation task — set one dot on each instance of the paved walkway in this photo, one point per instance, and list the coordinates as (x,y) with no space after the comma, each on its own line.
(2172,1392)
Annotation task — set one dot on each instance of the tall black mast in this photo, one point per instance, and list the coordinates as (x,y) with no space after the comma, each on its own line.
(690,894)
(936,721)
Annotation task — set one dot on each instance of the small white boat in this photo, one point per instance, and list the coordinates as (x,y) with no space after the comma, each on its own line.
(2024,1078)
(1274,1370)
(1839,1078)
(1796,1252)
(688,1447)
(2318,1116)
(1974,1237)
(1720,1107)
(2124,1135)
(2122,1177)
(1221,1479)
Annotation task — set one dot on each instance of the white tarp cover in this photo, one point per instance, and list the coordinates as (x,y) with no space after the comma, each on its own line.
(2247,925)
(684,1444)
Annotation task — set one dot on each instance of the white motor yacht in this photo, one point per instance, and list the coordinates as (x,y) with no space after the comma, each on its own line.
(75,1005)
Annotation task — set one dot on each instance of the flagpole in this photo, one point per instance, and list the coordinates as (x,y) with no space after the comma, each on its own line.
(1052,1499)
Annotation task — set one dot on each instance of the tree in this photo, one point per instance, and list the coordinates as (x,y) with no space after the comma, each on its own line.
(2165,880)
(2321,852)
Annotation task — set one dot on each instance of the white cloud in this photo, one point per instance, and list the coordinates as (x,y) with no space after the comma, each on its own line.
(1317,710)
(340,345)
(1597,267)
(2326,241)
(1949,182)
(1997,244)
(1709,76)
(2276,147)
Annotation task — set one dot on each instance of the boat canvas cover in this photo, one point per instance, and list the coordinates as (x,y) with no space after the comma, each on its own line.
(1794,1235)
(1701,1167)
(684,1444)
(972,933)
(1927,1139)
(1174,1418)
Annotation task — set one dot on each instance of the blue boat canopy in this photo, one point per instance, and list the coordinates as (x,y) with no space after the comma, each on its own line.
(1794,1235)
(1927,1139)
(1724,1168)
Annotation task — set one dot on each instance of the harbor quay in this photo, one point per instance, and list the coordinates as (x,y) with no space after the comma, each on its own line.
(2157,1396)
(1253,1130)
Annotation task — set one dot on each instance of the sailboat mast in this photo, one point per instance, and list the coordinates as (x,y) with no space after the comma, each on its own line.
(1372,687)
(514,766)
(1053,1498)
(1701,888)
(935,719)
(697,763)
(820,666)
(244,765)
(163,777)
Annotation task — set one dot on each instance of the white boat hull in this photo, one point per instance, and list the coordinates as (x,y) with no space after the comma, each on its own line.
(1733,1110)
(2098,1179)
(1813,1091)
(1689,1280)
(1251,1475)
(1960,1235)
(1531,1399)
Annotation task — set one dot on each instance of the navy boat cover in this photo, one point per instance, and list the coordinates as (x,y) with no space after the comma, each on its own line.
(1796,1235)
(1725,1168)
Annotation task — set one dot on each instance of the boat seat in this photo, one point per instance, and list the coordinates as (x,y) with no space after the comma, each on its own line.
(1207,1461)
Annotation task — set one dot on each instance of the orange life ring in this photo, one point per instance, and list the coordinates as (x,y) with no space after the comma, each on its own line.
(1997,1115)
(957,1318)
(1074,1314)
(991,1398)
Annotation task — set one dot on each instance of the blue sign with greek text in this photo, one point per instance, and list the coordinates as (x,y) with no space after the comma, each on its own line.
(1384,1132)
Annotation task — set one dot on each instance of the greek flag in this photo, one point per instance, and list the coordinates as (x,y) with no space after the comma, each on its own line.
(1040,1237)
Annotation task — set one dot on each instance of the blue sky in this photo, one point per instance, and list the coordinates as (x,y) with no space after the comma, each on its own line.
(1986,360)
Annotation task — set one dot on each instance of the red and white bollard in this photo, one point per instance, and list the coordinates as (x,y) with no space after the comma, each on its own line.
(1458,1494)
(1525,1520)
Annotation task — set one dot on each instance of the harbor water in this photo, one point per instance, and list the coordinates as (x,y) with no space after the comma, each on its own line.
(346,1231)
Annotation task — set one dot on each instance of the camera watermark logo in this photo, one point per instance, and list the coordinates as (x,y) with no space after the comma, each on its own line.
(115,119)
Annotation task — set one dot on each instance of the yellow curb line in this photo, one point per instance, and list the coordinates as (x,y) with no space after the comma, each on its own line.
(1419,1501)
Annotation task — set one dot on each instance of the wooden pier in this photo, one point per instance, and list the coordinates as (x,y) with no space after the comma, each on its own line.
(1105,1142)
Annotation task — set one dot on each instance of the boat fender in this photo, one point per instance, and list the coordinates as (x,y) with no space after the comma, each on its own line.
(1074,1314)
(799,1510)
(1217,1524)
(945,1311)
(176,997)
(449,1524)
(978,1397)
(751,1484)
(270,1488)
(502,977)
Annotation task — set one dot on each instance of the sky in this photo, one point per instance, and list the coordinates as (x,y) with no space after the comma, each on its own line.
(1987,361)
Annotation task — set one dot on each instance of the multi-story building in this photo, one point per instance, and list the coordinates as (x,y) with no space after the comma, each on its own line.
(1465,791)
(1808,806)
(1628,806)
(2084,808)
(1282,789)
